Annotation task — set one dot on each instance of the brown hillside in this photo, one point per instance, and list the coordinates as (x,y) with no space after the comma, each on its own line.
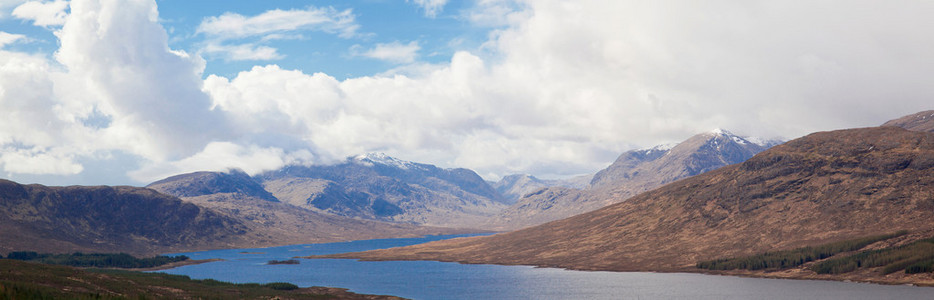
(824,187)
(922,121)
(109,219)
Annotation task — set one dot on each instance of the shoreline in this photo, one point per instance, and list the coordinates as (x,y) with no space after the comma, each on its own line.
(170,265)
(864,277)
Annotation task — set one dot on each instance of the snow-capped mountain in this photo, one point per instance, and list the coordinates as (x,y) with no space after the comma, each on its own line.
(633,172)
(377,186)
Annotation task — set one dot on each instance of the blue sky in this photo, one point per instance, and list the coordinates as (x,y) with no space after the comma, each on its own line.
(129,92)
(437,35)
(380,22)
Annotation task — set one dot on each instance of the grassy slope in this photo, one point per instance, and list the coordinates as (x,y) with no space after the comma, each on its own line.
(25,280)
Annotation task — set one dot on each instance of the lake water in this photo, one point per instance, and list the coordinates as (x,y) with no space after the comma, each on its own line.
(437,280)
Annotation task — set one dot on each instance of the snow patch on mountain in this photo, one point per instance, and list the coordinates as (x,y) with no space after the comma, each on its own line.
(369,159)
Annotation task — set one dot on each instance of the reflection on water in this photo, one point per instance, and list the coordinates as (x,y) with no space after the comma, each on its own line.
(436,280)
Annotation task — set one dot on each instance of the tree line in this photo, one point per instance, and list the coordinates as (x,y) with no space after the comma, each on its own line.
(794,257)
(97,260)
(917,257)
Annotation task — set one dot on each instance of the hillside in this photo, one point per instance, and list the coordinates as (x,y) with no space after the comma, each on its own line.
(208,183)
(24,280)
(827,186)
(922,121)
(145,221)
(108,219)
(634,172)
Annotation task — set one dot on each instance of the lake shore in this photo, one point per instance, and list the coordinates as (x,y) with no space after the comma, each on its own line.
(173,265)
(871,275)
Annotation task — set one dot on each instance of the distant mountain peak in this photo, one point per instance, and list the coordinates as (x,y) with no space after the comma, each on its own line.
(662,147)
(721,131)
(379,158)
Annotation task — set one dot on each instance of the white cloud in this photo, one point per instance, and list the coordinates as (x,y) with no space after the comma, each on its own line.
(39,161)
(242,52)
(9,38)
(118,53)
(573,84)
(562,90)
(221,156)
(233,25)
(395,52)
(431,7)
(43,13)
(6,5)
(225,32)
(119,88)
(495,13)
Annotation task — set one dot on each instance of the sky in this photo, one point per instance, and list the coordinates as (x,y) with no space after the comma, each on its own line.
(126,92)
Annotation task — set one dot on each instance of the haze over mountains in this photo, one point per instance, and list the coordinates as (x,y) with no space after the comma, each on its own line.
(827,186)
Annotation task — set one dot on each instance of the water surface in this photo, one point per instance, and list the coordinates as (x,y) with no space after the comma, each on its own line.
(438,280)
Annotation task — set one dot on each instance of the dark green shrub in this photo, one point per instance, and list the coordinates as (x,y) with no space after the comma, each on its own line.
(921,267)
(23,255)
(794,257)
(282,286)
(913,255)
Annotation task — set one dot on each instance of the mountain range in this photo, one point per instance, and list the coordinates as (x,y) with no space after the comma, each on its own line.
(514,187)
(824,187)
(365,196)
(219,210)
(632,173)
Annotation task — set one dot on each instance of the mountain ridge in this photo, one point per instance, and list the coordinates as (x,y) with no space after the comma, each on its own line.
(827,186)
(631,173)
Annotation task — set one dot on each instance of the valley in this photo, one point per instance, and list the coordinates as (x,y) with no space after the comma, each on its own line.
(665,208)
(827,186)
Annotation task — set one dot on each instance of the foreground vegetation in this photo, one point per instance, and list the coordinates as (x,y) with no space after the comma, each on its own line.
(29,280)
(96,260)
(793,258)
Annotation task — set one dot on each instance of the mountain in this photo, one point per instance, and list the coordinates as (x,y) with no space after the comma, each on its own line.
(922,121)
(207,183)
(632,173)
(641,170)
(235,195)
(827,186)
(101,218)
(379,187)
(514,187)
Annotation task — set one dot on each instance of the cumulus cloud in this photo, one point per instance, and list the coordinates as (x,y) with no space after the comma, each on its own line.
(6,5)
(395,52)
(116,86)
(118,52)
(431,7)
(43,13)
(571,85)
(562,90)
